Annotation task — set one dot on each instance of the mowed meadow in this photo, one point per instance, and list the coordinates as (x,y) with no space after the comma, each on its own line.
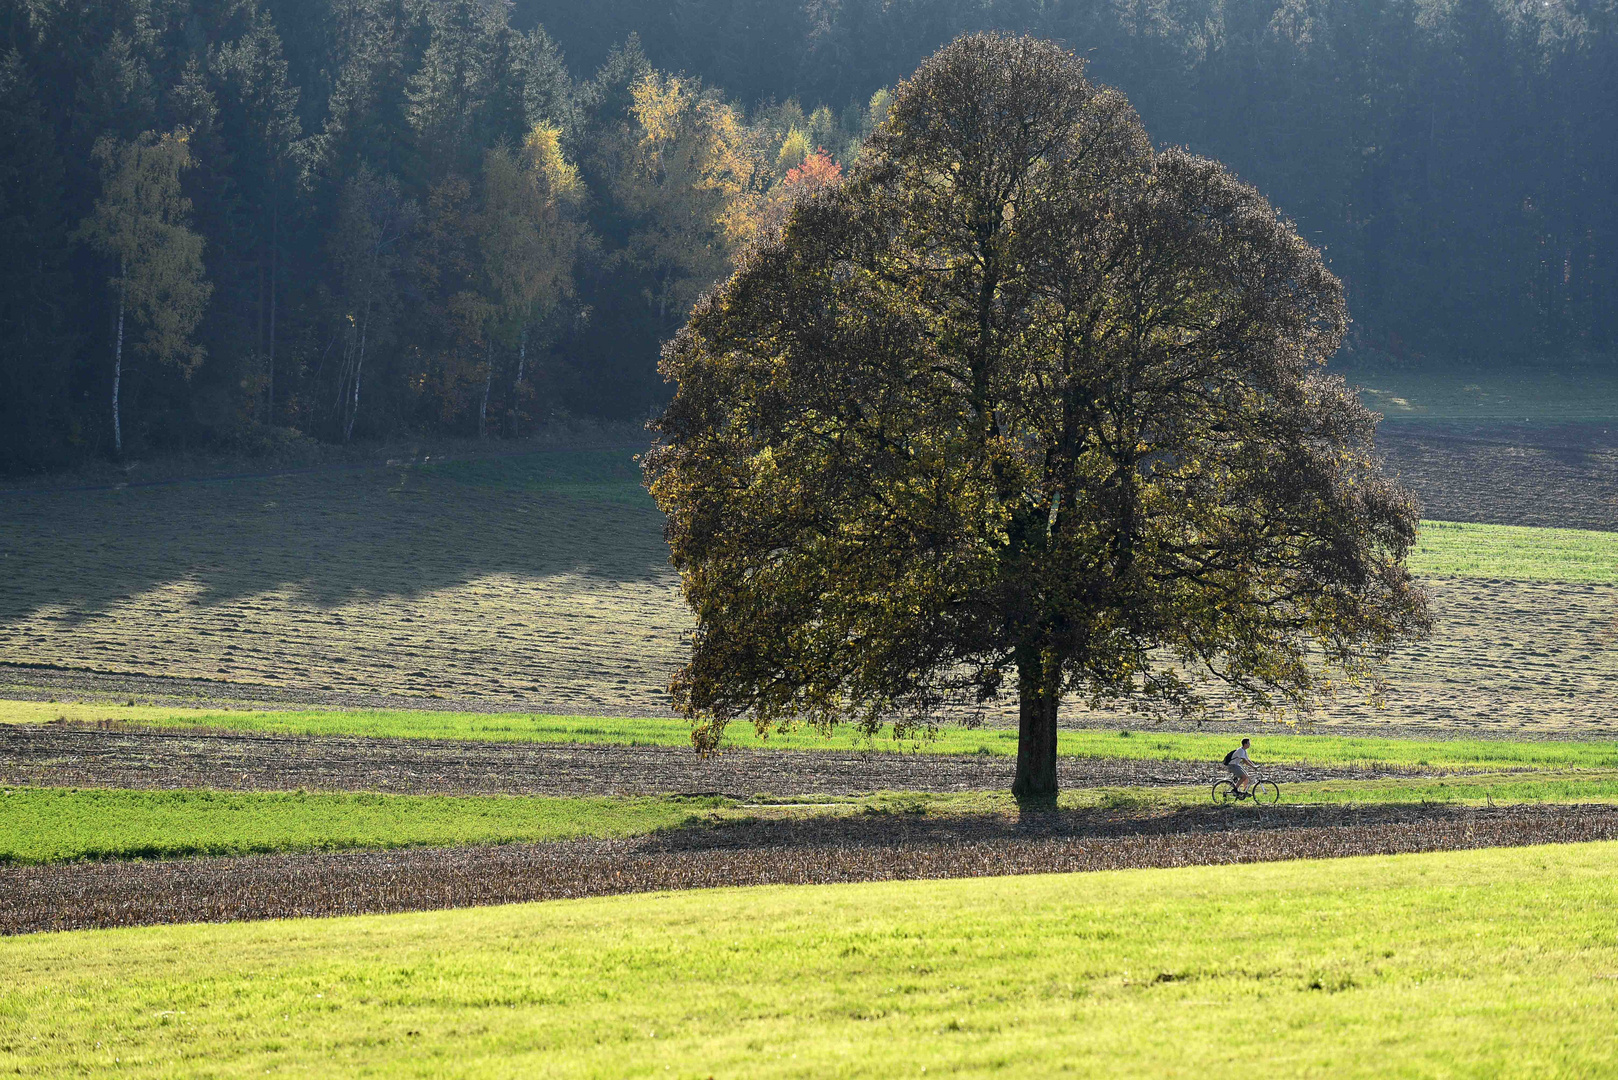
(540,581)
(500,582)
(1459,964)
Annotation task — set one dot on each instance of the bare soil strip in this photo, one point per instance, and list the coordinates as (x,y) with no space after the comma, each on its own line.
(66,755)
(1563,477)
(95,895)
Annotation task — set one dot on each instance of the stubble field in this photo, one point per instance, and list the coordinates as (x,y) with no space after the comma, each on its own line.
(525,580)
(540,582)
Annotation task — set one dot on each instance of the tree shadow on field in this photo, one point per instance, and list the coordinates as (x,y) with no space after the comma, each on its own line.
(332,536)
(925,830)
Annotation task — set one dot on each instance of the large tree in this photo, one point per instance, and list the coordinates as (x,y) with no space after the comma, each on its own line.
(1023,400)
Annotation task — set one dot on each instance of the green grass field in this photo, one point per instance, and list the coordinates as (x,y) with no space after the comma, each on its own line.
(1514,553)
(1496,963)
(51,825)
(1497,789)
(40,825)
(1274,743)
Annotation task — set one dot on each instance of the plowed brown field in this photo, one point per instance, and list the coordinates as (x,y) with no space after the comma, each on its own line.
(820,850)
(1558,477)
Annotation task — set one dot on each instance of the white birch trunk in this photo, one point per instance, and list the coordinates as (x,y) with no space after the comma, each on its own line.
(488,381)
(269,400)
(354,403)
(118,375)
(359,366)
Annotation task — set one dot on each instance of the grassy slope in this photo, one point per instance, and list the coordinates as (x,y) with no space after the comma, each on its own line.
(1526,395)
(1489,963)
(55,824)
(48,825)
(1272,744)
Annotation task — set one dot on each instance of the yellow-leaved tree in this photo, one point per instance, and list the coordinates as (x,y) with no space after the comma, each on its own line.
(692,181)
(142,221)
(529,232)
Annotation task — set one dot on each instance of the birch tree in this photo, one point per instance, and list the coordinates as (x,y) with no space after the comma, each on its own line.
(142,222)
(691,179)
(373,221)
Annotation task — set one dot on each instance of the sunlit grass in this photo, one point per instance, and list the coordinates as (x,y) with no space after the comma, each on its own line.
(46,825)
(1484,963)
(1273,743)
(39,825)
(1514,553)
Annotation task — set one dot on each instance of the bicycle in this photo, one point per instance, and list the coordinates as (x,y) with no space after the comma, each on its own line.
(1264,792)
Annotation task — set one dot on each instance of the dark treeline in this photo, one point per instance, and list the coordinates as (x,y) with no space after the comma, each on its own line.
(233,223)
(1458,158)
(224,221)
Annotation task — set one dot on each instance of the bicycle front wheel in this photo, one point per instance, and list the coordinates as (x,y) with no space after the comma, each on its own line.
(1266,793)
(1224,792)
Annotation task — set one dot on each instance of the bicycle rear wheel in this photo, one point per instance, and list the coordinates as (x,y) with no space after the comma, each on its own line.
(1224,791)
(1266,793)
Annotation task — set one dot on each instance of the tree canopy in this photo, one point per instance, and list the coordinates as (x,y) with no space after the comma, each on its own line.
(1023,402)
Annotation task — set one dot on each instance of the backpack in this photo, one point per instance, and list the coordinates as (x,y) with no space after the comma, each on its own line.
(1229,756)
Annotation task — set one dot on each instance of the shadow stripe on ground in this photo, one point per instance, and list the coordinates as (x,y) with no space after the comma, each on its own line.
(95,895)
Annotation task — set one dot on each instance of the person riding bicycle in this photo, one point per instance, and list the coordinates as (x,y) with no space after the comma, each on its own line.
(1241,766)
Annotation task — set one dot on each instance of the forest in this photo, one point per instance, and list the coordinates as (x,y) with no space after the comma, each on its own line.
(240,224)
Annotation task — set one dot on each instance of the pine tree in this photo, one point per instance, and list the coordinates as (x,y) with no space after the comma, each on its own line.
(262,119)
(449,93)
(35,289)
(548,94)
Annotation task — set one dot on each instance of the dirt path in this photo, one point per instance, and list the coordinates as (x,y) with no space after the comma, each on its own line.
(63,755)
(90,895)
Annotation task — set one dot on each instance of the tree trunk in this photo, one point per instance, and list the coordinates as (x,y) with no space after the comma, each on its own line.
(359,367)
(275,230)
(488,381)
(516,385)
(1038,695)
(117,377)
(263,304)
(354,408)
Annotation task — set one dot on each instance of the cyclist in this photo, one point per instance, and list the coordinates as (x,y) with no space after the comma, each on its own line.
(1241,766)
